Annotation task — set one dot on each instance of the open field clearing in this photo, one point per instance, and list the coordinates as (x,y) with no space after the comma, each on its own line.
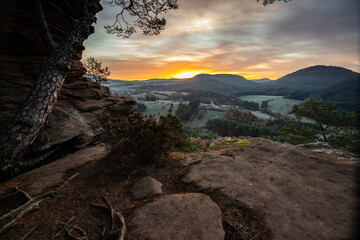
(276,103)
(206,115)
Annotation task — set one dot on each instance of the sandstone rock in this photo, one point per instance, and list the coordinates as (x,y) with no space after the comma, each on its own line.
(178,217)
(191,159)
(316,145)
(146,187)
(50,175)
(64,124)
(301,194)
(73,122)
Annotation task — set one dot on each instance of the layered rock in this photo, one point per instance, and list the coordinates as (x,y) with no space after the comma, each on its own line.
(75,116)
(73,122)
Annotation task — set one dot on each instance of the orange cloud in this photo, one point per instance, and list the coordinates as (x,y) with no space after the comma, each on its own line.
(237,37)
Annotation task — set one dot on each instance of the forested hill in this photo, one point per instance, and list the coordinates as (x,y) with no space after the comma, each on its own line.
(346,93)
(315,77)
(221,83)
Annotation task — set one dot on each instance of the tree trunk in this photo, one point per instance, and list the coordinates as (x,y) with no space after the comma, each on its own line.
(23,130)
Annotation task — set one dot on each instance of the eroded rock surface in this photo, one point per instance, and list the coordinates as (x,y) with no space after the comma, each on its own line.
(302,194)
(73,123)
(178,217)
(39,179)
(146,187)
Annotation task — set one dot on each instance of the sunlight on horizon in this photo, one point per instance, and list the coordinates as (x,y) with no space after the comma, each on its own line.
(188,74)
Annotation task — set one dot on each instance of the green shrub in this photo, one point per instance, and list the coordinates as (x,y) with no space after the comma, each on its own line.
(199,133)
(337,128)
(143,138)
(141,107)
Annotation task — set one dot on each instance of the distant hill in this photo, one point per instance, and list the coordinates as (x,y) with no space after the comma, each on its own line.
(346,93)
(262,80)
(316,77)
(217,83)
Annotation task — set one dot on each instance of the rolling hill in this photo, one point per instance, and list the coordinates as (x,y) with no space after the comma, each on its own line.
(346,93)
(262,80)
(217,83)
(315,77)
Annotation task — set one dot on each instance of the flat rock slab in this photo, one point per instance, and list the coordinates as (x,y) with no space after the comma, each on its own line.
(146,187)
(179,217)
(39,179)
(300,193)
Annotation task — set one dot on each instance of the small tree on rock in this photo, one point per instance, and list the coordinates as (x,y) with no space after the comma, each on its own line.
(326,115)
(98,74)
(336,128)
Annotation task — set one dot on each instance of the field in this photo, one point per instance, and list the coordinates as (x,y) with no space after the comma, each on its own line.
(206,115)
(259,114)
(276,103)
(159,107)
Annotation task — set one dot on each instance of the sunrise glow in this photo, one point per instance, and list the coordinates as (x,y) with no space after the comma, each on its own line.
(236,37)
(188,74)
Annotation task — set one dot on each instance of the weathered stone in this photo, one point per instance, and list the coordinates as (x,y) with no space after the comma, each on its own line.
(52,174)
(301,194)
(146,187)
(22,57)
(178,217)
(75,114)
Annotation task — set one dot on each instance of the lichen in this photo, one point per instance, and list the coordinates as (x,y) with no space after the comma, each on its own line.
(239,143)
(243,142)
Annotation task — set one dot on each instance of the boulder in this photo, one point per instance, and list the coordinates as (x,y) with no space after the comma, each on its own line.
(178,217)
(146,187)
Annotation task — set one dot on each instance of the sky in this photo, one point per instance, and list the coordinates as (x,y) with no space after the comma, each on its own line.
(234,36)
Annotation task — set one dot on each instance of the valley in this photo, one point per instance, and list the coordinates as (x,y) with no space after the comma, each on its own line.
(220,93)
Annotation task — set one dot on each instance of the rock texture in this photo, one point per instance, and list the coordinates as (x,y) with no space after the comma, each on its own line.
(179,217)
(73,122)
(302,194)
(146,187)
(40,179)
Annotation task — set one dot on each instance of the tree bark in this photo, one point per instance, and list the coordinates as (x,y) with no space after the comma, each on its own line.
(22,131)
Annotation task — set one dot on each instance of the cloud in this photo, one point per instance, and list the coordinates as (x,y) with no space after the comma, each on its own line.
(235,36)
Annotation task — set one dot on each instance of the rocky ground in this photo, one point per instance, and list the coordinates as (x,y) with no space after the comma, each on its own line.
(257,190)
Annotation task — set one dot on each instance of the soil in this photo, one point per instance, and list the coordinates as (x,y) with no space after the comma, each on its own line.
(113,179)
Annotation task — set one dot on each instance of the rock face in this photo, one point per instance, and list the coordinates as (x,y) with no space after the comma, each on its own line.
(75,117)
(73,122)
(302,194)
(178,217)
(146,187)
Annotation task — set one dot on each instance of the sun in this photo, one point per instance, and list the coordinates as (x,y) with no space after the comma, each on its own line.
(187,74)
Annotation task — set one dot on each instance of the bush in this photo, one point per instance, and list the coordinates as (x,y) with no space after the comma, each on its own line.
(151,97)
(143,138)
(193,145)
(199,133)
(141,107)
